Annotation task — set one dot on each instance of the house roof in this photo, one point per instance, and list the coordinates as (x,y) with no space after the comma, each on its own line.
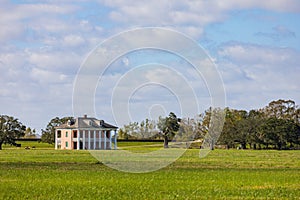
(86,122)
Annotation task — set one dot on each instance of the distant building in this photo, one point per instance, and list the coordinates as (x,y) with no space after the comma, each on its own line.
(86,133)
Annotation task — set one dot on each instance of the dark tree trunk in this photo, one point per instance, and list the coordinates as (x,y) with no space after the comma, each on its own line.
(212,145)
(254,146)
(279,145)
(243,145)
(166,142)
(0,145)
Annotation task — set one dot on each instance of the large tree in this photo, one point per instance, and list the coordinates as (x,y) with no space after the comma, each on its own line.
(241,127)
(253,123)
(10,130)
(168,127)
(211,125)
(229,131)
(48,135)
(281,133)
(282,109)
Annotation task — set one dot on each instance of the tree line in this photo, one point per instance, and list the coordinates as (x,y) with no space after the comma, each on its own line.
(275,126)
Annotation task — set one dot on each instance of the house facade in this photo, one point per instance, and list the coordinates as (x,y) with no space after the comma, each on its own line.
(86,133)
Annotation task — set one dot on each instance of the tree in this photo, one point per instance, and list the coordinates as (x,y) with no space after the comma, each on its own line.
(281,123)
(229,131)
(189,130)
(168,127)
(254,120)
(10,130)
(132,130)
(282,109)
(48,135)
(280,132)
(211,126)
(29,133)
(243,128)
(123,134)
(148,129)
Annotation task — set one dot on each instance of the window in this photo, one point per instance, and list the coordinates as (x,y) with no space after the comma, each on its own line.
(67,144)
(58,134)
(66,133)
(74,134)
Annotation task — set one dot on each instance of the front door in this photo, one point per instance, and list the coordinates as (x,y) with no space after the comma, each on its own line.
(74,145)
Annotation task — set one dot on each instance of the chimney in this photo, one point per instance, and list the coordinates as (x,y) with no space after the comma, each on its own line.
(84,116)
(101,122)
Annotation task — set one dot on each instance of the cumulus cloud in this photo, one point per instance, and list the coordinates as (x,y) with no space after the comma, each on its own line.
(189,16)
(43,44)
(46,76)
(251,54)
(255,74)
(38,59)
(16,19)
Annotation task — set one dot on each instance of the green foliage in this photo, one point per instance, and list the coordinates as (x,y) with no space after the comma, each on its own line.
(280,132)
(243,129)
(146,129)
(48,135)
(212,125)
(276,125)
(188,130)
(29,133)
(168,127)
(122,134)
(10,130)
(282,109)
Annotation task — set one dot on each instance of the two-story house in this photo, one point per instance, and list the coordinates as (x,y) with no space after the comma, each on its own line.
(86,133)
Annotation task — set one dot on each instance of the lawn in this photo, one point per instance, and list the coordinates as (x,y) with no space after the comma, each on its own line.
(44,173)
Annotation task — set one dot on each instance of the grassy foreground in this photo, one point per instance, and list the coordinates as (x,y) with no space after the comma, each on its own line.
(224,174)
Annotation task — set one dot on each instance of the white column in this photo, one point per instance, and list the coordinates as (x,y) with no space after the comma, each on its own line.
(110,133)
(105,140)
(116,135)
(94,139)
(97,140)
(100,140)
(55,139)
(78,139)
(83,140)
(89,139)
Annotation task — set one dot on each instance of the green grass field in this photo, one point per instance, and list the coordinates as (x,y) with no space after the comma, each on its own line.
(44,173)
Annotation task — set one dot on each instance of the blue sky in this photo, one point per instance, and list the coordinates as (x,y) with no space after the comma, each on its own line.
(255,45)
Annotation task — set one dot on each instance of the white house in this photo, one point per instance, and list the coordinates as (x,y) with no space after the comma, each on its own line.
(86,133)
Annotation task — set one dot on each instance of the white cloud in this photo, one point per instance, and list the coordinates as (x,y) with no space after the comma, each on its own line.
(187,16)
(15,19)
(45,76)
(73,40)
(58,60)
(43,44)
(254,74)
(249,54)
